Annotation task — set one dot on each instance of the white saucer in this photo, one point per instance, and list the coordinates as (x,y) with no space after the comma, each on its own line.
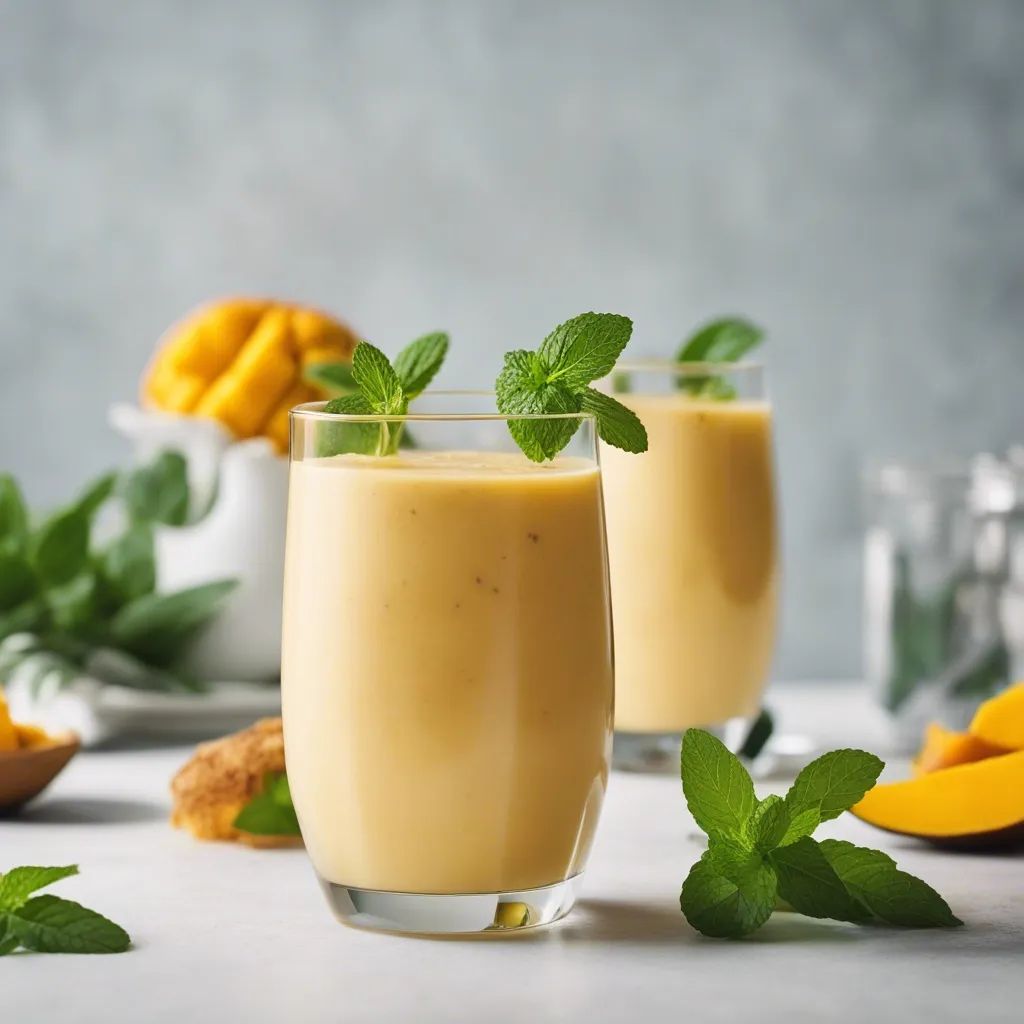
(100,713)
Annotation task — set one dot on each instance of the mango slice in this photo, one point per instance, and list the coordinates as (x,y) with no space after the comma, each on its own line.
(241,362)
(8,733)
(1000,720)
(979,804)
(944,748)
(31,736)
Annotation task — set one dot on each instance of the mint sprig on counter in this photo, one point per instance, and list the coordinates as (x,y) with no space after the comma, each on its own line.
(380,389)
(271,812)
(760,852)
(556,378)
(49,924)
(721,341)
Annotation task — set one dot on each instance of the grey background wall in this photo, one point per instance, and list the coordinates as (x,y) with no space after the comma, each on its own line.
(850,174)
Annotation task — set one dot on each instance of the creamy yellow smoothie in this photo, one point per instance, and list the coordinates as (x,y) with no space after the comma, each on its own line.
(447,668)
(694,566)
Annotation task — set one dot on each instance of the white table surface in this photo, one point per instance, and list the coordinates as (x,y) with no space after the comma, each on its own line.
(224,933)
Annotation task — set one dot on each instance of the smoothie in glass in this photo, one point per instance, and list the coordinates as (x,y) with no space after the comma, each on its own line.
(694,565)
(447,668)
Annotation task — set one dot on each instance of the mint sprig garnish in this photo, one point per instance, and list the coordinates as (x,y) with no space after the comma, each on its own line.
(762,851)
(270,813)
(555,380)
(49,924)
(381,389)
(720,341)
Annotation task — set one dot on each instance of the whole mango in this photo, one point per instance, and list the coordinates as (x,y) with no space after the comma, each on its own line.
(242,362)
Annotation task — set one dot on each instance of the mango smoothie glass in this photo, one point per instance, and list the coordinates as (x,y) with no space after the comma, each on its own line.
(446,667)
(693,554)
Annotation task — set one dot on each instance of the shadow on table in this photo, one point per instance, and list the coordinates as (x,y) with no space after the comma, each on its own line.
(662,924)
(91,811)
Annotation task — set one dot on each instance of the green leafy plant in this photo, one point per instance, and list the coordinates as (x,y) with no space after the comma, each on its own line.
(69,606)
(933,645)
(49,924)
(555,381)
(761,851)
(720,341)
(372,386)
(271,812)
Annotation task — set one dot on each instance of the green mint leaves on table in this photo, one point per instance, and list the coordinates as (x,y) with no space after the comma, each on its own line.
(70,606)
(760,852)
(721,341)
(271,812)
(48,924)
(376,387)
(556,380)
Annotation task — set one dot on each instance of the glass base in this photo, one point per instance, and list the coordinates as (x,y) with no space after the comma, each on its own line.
(492,913)
(651,752)
(657,753)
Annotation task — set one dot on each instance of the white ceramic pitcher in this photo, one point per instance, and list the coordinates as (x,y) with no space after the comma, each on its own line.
(244,486)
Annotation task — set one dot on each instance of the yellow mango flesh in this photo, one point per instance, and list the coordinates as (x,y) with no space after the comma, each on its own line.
(30,736)
(966,800)
(944,748)
(1000,720)
(8,733)
(241,362)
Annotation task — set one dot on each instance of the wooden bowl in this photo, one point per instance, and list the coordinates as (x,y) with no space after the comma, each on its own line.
(24,774)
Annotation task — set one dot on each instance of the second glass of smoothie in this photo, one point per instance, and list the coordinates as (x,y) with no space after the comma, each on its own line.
(693,554)
(446,667)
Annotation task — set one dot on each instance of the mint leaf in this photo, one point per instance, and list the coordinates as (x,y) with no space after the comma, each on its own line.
(8,941)
(377,380)
(340,438)
(721,341)
(810,885)
(17,581)
(729,892)
(48,924)
(585,348)
(334,378)
(60,548)
(13,517)
(555,379)
(718,789)
(158,490)
(19,883)
(155,627)
(73,604)
(892,895)
(765,828)
(129,563)
(616,425)
(519,393)
(96,494)
(417,364)
(828,786)
(271,812)
(31,617)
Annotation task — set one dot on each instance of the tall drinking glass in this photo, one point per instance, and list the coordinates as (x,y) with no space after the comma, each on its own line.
(693,553)
(446,665)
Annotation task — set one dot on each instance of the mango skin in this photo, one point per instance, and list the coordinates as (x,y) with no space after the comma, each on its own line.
(241,361)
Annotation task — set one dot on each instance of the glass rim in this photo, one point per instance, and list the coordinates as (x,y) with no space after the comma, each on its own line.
(656,364)
(315,411)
